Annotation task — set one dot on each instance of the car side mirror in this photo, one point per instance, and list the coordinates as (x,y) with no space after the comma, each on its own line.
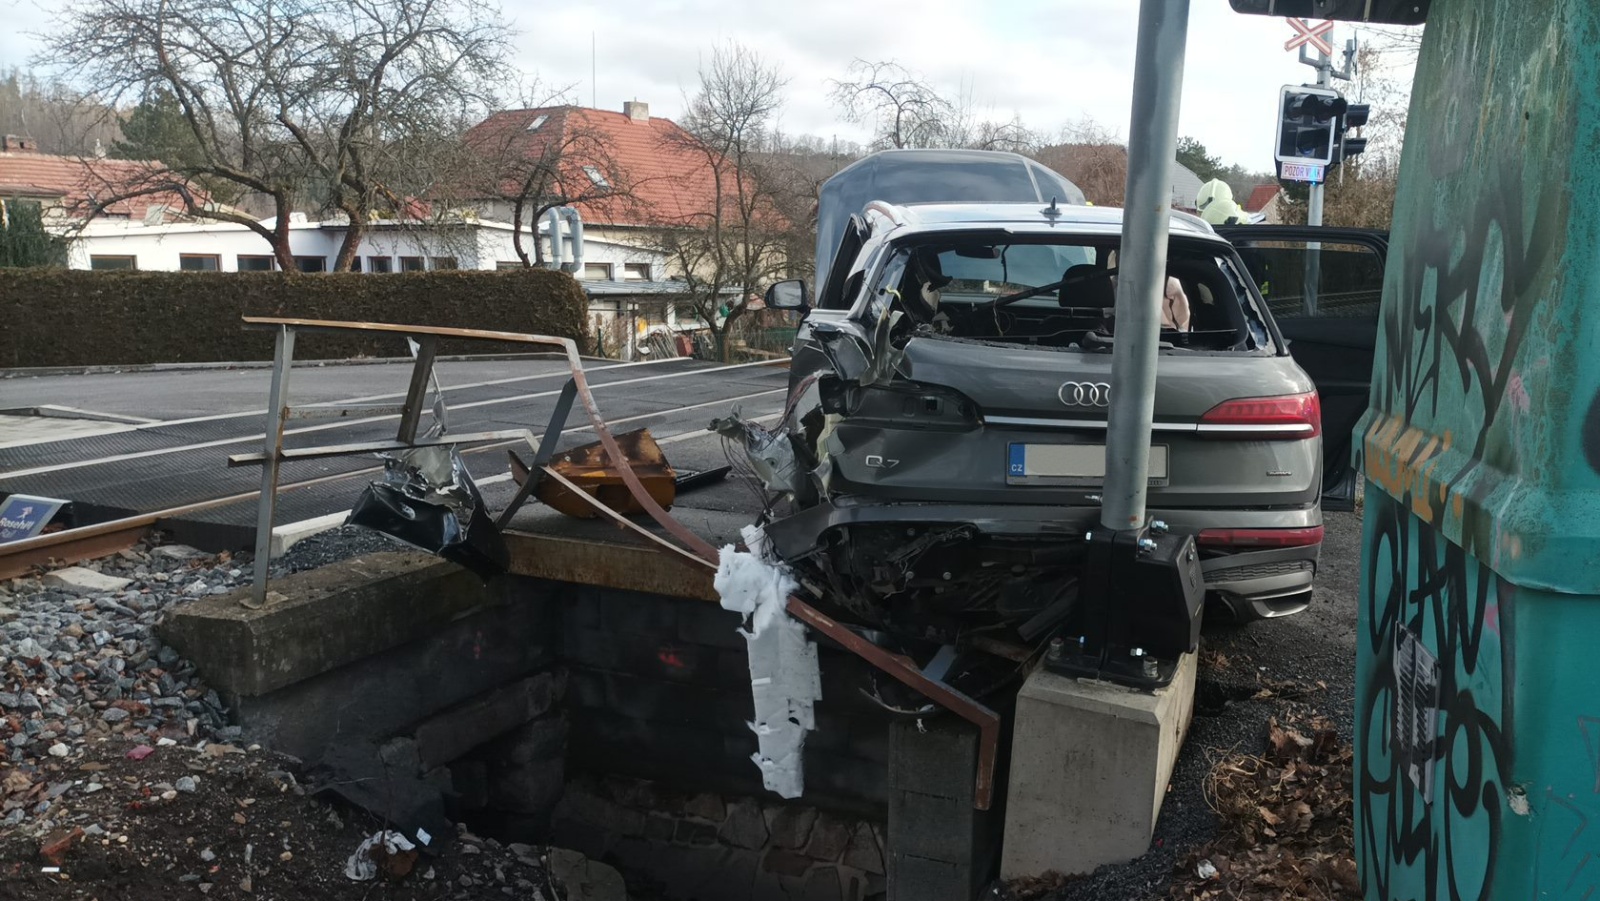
(788,295)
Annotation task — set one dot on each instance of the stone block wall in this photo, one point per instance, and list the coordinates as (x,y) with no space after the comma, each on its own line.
(710,846)
(659,688)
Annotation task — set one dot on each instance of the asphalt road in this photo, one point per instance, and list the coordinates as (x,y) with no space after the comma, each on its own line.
(174,429)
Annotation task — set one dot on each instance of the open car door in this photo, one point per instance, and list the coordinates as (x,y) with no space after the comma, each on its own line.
(1323,286)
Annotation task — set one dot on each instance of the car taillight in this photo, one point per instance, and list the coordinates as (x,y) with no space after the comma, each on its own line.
(1259,538)
(1287,416)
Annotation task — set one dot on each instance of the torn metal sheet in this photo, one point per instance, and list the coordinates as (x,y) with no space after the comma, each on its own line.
(591,468)
(785,679)
(766,452)
(428,500)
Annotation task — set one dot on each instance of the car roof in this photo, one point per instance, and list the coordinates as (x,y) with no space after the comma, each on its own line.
(1030,218)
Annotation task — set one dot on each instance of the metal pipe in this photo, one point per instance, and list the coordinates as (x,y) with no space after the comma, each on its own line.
(574,237)
(1142,259)
(552,218)
(277,411)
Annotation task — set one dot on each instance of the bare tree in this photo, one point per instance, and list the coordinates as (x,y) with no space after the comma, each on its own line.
(59,119)
(971,127)
(728,251)
(1092,157)
(903,109)
(295,101)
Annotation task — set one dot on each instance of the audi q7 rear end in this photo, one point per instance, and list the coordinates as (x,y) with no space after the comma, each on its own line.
(949,405)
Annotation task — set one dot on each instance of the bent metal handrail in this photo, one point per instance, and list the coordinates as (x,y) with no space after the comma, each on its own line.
(897,666)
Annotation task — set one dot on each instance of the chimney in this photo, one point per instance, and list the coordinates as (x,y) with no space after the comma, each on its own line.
(635,110)
(14,144)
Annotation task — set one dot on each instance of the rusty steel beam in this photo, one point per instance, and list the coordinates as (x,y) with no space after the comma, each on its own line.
(903,670)
(629,567)
(101,543)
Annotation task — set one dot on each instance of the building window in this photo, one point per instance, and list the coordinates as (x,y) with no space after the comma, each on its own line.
(442,263)
(596,176)
(355,264)
(253,263)
(107,263)
(412,264)
(380,264)
(537,121)
(199,262)
(636,270)
(508,264)
(311,264)
(597,272)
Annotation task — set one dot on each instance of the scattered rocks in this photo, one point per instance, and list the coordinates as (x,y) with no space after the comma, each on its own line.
(80,662)
(187,784)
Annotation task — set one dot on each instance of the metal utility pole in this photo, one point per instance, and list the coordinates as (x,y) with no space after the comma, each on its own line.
(1142,259)
(1323,63)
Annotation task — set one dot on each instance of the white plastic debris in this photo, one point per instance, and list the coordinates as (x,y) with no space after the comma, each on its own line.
(361,867)
(1205,870)
(423,836)
(785,682)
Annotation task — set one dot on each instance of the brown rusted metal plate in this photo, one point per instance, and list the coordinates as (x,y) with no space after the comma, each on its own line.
(630,567)
(591,469)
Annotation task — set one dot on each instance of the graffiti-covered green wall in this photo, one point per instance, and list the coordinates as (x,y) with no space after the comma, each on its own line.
(1478,667)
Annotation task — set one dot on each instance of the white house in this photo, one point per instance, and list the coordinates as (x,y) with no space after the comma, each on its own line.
(386,247)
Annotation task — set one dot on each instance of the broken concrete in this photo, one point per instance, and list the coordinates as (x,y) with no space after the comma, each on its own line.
(1090,763)
(85,581)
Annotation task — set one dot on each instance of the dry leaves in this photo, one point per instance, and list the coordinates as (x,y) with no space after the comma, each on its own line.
(1029,888)
(1286,829)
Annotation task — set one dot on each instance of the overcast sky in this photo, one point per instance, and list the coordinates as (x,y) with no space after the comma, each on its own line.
(1052,62)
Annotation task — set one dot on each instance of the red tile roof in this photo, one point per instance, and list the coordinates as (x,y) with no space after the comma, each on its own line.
(652,160)
(1260,196)
(80,183)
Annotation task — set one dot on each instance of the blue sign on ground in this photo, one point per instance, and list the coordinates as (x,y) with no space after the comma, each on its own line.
(22,516)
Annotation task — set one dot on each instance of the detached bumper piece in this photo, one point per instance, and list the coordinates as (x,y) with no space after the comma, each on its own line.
(428,500)
(1139,610)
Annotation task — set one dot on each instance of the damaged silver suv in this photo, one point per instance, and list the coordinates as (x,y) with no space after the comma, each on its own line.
(944,444)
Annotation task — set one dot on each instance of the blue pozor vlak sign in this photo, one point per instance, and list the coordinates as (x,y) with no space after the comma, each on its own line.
(22,516)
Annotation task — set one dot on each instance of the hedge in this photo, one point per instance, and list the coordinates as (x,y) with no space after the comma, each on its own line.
(59,317)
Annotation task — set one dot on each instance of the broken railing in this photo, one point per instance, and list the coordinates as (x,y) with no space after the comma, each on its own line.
(685,544)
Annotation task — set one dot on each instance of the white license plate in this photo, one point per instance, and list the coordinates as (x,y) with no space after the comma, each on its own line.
(1071,464)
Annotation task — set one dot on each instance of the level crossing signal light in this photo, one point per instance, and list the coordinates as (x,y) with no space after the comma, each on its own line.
(1355,116)
(1308,125)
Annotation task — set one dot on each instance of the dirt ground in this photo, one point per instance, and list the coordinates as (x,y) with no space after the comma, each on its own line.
(223,822)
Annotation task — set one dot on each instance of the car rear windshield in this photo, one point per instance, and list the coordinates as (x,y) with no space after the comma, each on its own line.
(1062,292)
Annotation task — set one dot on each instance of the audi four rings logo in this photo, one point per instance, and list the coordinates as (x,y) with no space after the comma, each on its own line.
(1085,394)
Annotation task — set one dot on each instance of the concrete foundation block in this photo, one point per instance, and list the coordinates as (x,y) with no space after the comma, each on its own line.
(329,617)
(941,847)
(84,581)
(1090,762)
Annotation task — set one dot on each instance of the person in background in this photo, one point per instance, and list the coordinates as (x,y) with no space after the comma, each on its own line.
(1217,206)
